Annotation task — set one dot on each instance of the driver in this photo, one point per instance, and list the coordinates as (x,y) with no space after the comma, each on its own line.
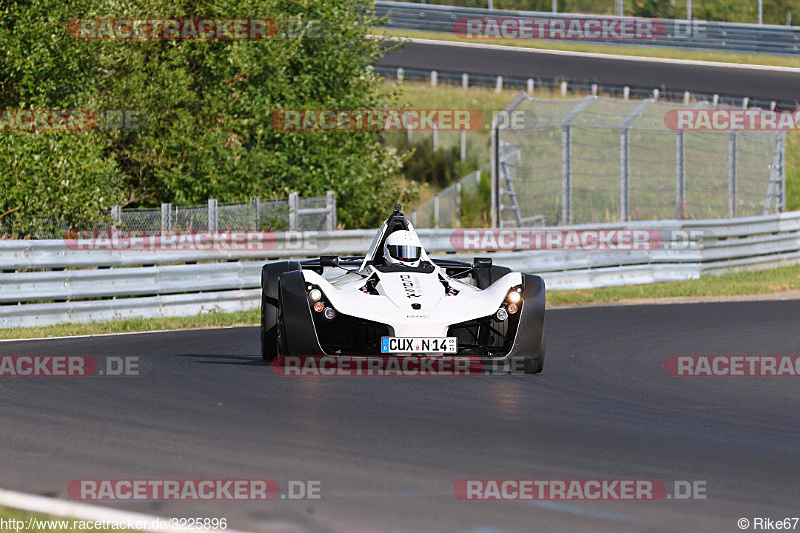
(402,247)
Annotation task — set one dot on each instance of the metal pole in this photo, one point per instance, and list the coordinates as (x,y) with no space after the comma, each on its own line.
(555,6)
(625,158)
(732,175)
(624,175)
(212,214)
(619,7)
(293,211)
(689,10)
(458,204)
(463,146)
(165,217)
(436,211)
(257,217)
(330,204)
(782,206)
(116,216)
(760,12)
(566,175)
(435,138)
(494,152)
(680,174)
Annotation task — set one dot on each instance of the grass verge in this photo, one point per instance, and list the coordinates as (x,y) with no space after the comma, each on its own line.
(731,284)
(626,50)
(205,320)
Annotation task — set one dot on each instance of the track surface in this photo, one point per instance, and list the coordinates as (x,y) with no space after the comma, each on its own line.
(388,450)
(765,84)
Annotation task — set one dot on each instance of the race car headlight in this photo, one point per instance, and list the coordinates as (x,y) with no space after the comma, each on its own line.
(514,296)
(501,314)
(315,294)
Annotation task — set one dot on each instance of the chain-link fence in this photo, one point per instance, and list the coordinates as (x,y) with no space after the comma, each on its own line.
(444,209)
(314,213)
(594,160)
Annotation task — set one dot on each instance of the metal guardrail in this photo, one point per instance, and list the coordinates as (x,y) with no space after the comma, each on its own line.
(49,282)
(692,35)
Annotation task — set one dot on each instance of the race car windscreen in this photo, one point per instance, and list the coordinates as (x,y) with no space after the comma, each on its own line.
(405,252)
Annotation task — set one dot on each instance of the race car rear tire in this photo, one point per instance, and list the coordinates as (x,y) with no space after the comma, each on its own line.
(269,305)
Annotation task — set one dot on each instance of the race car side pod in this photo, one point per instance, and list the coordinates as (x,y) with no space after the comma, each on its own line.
(527,352)
(269,305)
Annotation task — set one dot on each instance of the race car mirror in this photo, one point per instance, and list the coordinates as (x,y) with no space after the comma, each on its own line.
(329,261)
(482,262)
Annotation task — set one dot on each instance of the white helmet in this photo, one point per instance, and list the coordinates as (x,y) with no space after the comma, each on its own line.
(402,247)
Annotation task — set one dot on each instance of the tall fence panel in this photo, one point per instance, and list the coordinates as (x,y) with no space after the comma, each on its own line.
(594,160)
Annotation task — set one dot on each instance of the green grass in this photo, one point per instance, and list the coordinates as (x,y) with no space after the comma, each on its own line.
(638,51)
(730,284)
(205,320)
(42,527)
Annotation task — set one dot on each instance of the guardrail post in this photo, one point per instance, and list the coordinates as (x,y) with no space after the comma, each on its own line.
(330,203)
(212,214)
(626,92)
(680,175)
(166,216)
(435,137)
(732,148)
(293,205)
(498,84)
(465,81)
(463,146)
(436,211)
(530,85)
(434,78)
(400,74)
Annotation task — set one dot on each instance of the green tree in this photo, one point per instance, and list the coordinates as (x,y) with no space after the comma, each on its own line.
(208,104)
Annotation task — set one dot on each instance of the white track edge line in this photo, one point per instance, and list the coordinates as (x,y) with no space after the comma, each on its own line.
(508,48)
(84,511)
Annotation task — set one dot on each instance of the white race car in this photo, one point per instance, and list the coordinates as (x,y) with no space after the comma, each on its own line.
(397,300)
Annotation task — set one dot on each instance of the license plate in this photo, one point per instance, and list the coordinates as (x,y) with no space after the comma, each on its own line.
(419,344)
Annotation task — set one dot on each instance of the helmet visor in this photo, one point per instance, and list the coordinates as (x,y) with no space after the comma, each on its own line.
(405,252)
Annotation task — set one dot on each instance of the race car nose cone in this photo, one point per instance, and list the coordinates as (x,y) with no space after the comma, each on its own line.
(416,306)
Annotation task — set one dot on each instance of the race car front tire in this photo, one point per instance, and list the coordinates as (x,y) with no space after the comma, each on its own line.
(269,305)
